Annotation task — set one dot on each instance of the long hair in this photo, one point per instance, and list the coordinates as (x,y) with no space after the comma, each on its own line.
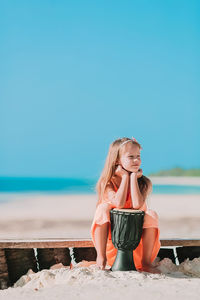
(110,166)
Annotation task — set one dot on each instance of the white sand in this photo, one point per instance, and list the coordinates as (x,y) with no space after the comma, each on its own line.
(176,180)
(175,282)
(32,216)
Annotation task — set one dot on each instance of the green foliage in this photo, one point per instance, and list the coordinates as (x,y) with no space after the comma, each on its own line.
(177,171)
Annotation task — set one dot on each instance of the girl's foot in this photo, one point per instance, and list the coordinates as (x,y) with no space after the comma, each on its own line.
(101,262)
(150,269)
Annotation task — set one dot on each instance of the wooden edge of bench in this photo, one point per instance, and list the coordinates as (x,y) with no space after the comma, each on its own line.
(79,243)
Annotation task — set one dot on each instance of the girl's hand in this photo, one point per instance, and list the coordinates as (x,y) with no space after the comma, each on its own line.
(120,171)
(138,173)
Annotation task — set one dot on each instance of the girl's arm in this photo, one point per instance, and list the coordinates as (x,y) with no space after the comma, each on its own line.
(121,194)
(118,198)
(136,196)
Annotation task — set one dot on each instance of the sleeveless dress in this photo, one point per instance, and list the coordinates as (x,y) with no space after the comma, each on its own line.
(102,215)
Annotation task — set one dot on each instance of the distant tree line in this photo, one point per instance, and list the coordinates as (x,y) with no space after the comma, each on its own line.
(177,171)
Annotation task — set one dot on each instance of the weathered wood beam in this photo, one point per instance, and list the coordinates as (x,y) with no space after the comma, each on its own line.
(4,277)
(79,243)
(51,256)
(19,261)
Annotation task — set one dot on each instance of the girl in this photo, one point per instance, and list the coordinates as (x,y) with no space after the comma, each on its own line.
(122,185)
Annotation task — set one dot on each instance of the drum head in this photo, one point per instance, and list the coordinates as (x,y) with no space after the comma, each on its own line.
(129,210)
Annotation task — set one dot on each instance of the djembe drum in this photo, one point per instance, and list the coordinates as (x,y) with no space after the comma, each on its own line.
(126,232)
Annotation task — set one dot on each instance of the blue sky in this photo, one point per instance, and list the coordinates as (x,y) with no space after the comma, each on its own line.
(76,75)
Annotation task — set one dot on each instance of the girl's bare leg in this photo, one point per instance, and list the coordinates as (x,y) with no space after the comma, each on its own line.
(101,236)
(149,237)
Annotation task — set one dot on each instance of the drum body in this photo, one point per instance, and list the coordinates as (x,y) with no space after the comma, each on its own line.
(126,232)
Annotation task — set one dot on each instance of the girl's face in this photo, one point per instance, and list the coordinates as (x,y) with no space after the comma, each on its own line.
(130,157)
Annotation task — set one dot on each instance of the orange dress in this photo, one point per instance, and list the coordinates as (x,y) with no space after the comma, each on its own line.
(102,215)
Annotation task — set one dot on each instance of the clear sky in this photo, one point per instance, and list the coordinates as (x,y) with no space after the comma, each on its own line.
(76,75)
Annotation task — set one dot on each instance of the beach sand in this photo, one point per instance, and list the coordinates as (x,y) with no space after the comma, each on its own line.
(42,215)
(175,282)
(36,216)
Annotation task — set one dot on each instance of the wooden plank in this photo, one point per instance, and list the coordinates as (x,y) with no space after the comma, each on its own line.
(88,254)
(19,261)
(50,256)
(79,243)
(180,242)
(45,243)
(4,278)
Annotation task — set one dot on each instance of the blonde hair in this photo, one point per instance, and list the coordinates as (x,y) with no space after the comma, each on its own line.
(110,165)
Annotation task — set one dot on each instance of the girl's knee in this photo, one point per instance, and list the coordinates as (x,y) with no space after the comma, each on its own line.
(151,213)
(105,206)
(150,219)
(102,214)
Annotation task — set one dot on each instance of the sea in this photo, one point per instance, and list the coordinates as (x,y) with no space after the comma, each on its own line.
(75,186)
